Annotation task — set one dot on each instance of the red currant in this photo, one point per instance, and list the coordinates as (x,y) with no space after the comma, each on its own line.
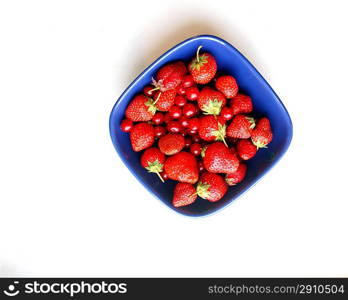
(164,175)
(188,81)
(126,125)
(196,138)
(180,101)
(221,120)
(189,110)
(184,121)
(192,93)
(188,142)
(175,112)
(149,90)
(167,118)
(226,113)
(191,132)
(174,126)
(194,124)
(181,90)
(196,149)
(158,118)
(160,131)
(200,166)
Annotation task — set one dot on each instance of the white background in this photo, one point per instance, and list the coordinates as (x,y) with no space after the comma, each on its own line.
(68,206)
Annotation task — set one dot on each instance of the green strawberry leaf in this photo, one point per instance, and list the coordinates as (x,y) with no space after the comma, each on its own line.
(212,108)
(202,190)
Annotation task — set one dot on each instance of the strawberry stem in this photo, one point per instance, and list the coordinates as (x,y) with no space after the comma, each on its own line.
(154,89)
(159,175)
(159,95)
(197,53)
(224,141)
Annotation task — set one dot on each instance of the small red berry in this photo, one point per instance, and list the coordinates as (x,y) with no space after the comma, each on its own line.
(183,131)
(149,90)
(164,175)
(189,110)
(196,138)
(180,101)
(174,126)
(187,81)
(221,120)
(194,124)
(192,93)
(181,90)
(226,113)
(167,118)
(158,118)
(126,125)
(192,132)
(175,112)
(160,131)
(184,121)
(188,142)
(200,166)
(196,149)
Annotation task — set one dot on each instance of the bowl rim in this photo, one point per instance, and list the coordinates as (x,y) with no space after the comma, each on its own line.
(253,69)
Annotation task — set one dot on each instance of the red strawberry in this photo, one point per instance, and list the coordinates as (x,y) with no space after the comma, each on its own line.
(184,194)
(153,161)
(140,109)
(211,101)
(210,129)
(241,127)
(262,134)
(203,67)
(241,104)
(164,100)
(237,176)
(211,187)
(182,167)
(227,85)
(246,149)
(142,136)
(170,76)
(220,159)
(171,143)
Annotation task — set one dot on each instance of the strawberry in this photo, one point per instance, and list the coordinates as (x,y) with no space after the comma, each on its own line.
(246,149)
(241,104)
(262,134)
(220,159)
(164,100)
(237,176)
(211,187)
(170,76)
(211,101)
(241,127)
(142,136)
(227,85)
(184,194)
(140,109)
(153,161)
(182,167)
(203,67)
(210,129)
(171,143)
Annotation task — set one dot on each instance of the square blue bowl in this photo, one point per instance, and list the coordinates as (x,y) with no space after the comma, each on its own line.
(265,101)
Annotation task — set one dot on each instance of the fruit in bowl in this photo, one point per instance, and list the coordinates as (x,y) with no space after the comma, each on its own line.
(216,112)
(201,123)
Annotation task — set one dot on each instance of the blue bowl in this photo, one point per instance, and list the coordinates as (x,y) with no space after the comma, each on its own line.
(266,103)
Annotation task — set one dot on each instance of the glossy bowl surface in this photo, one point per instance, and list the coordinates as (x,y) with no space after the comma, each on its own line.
(266,103)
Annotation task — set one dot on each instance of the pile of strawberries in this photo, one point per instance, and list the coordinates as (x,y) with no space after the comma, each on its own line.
(195,126)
